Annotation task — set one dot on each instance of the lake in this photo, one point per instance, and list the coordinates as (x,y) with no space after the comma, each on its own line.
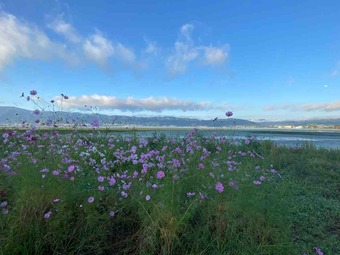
(329,139)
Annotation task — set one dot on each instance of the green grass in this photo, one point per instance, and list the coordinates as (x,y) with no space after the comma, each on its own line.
(295,212)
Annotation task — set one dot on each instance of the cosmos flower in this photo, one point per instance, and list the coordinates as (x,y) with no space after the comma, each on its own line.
(219,187)
(229,114)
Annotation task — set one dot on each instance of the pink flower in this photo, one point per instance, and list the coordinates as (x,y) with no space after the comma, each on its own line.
(219,187)
(160,174)
(90,199)
(101,188)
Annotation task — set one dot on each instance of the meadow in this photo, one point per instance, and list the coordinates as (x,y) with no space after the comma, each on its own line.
(88,191)
(85,193)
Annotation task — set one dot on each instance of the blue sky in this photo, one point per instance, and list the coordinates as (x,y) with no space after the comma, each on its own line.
(260,59)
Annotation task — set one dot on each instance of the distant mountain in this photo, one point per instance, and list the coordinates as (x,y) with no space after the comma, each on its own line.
(14,116)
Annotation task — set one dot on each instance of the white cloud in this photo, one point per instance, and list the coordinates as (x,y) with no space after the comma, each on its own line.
(21,40)
(65,29)
(185,52)
(132,104)
(214,55)
(182,56)
(98,49)
(325,107)
(151,48)
(335,73)
(186,30)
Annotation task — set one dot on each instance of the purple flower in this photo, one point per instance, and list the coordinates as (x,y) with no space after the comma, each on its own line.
(228,114)
(318,251)
(56,200)
(112,213)
(190,194)
(160,174)
(219,187)
(90,199)
(55,172)
(33,92)
(36,112)
(257,182)
(47,215)
(100,178)
(147,197)
(71,168)
(3,204)
(101,188)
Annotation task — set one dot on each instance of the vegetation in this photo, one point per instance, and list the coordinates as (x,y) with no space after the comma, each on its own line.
(98,193)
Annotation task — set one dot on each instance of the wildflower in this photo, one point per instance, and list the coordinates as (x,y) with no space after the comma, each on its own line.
(4,211)
(90,199)
(124,194)
(100,178)
(72,178)
(147,197)
(219,187)
(200,166)
(101,188)
(3,204)
(55,172)
(257,182)
(160,174)
(212,175)
(33,92)
(47,215)
(318,251)
(71,168)
(112,213)
(55,200)
(262,177)
(112,181)
(36,112)
(190,194)
(229,114)
(154,186)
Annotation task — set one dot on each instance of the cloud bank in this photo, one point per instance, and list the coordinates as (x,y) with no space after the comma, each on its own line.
(132,104)
(325,107)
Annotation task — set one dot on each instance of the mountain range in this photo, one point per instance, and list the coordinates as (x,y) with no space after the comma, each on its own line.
(12,116)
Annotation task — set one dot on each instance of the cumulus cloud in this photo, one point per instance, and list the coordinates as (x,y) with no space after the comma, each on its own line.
(132,104)
(22,40)
(325,107)
(185,52)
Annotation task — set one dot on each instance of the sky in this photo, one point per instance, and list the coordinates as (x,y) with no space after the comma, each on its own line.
(273,60)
